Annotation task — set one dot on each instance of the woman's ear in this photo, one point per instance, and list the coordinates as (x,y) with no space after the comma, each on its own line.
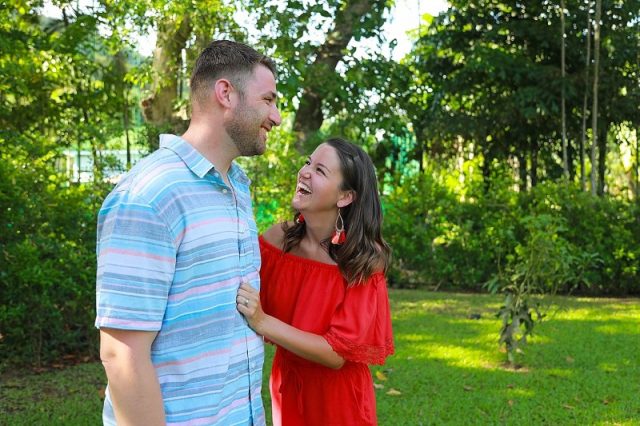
(346,198)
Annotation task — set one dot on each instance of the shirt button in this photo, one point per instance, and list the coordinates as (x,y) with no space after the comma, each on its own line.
(216,174)
(224,191)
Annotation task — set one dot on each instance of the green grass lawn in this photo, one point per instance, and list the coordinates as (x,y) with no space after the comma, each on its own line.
(581,368)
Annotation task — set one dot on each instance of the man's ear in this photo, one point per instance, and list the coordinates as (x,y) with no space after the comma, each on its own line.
(346,198)
(222,91)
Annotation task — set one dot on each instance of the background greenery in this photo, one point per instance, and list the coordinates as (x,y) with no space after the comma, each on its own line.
(446,370)
(497,154)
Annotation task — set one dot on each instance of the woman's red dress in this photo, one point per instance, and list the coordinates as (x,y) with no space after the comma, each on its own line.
(356,322)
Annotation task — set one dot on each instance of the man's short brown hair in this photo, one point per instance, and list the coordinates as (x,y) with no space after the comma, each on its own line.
(225,59)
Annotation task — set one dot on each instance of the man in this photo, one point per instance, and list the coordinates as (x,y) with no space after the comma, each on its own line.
(176,238)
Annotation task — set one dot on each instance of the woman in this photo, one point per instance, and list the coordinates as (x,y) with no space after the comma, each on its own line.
(323,298)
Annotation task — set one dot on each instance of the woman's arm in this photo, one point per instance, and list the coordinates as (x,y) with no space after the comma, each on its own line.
(307,345)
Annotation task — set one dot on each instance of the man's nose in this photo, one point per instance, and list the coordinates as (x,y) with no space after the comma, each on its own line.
(275,117)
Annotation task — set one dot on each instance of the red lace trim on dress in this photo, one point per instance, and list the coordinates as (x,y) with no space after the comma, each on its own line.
(366,354)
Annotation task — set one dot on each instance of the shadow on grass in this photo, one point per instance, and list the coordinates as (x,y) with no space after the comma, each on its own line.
(448,367)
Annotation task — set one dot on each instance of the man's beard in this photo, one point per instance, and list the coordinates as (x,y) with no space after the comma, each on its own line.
(244,129)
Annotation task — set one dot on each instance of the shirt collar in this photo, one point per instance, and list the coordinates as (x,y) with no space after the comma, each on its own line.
(195,161)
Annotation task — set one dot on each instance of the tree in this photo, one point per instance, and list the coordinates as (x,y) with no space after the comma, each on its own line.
(63,98)
(311,73)
(309,115)
(183,29)
(491,74)
(594,109)
(587,67)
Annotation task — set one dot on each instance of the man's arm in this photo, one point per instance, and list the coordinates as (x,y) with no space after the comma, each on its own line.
(133,383)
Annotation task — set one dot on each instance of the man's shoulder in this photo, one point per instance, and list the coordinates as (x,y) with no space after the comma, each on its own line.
(152,173)
(153,179)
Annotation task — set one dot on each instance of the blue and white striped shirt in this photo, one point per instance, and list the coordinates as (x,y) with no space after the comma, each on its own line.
(174,244)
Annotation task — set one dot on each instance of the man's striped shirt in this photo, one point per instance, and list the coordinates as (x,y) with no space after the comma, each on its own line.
(174,244)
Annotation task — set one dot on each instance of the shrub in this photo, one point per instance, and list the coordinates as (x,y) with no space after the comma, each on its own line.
(543,264)
(442,240)
(47,249)
(604,233)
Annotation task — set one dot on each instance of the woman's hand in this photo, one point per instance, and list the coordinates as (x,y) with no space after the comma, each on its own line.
(248,304)
(303,343)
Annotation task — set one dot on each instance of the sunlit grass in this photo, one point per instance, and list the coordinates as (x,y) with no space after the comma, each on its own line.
(581,367)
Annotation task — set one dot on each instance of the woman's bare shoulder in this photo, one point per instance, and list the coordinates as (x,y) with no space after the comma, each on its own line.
(275,234)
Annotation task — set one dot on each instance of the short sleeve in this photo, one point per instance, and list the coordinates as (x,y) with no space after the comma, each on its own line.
(136,264)
(360,330)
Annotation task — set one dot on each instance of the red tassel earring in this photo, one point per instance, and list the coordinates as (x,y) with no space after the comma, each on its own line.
(339,235)
(300,218)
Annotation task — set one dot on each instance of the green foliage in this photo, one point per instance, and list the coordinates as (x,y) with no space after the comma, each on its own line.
(47,249)
(517,319)
(554,237)
(540,266)
(489,73)
(442,241)
(67,95)
(273,178)
(481,87)
(603,233)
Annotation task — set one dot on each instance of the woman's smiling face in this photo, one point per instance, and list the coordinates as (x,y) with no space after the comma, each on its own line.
(319,181)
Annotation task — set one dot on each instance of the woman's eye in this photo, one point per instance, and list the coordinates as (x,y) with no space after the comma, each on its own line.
(321,171)
(306,163)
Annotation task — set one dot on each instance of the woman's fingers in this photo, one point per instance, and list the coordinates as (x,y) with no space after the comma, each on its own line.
(243,300)
(246,287)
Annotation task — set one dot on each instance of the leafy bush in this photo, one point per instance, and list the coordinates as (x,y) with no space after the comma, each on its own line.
(417,224)
(604,233)
(47,252)
(442,239)
(274,178)
(542,265)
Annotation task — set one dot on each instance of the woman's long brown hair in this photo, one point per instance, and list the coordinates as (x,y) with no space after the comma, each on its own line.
(364,251)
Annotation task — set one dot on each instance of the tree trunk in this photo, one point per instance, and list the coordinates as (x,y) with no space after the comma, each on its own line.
(121,70)
(637,187)
(522,170)
(565,161)
(583,140)
(487,159)
(125,119)
(421,145)
(98,175)
(534,164)
(571,156)
(173,34)
(79,154)
(594,109)
(309,116)
(602,158)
